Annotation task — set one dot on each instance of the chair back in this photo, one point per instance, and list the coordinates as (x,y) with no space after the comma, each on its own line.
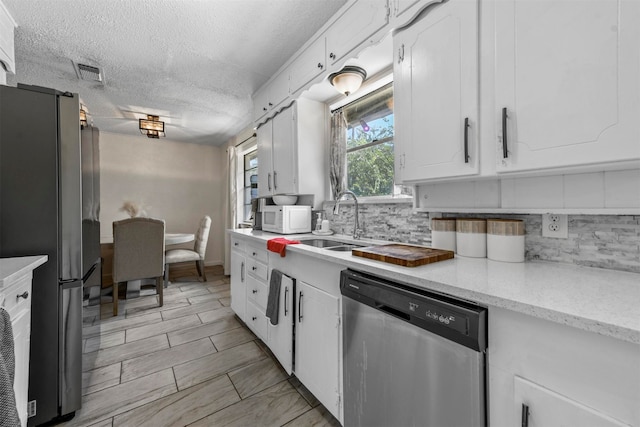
(138,249)
(202,236)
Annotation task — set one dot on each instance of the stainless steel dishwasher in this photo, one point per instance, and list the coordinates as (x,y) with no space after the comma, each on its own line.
(411,357)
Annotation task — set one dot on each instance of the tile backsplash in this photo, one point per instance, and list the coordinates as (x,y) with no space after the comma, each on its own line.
(603,241)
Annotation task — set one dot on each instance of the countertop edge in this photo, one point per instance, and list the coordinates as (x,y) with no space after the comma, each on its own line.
(16,267)
(595,322)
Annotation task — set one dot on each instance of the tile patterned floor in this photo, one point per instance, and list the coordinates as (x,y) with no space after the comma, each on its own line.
(191,362)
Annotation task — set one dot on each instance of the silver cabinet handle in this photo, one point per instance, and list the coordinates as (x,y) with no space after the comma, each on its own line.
(269,181)
(525,416)
(275,180)
(242,272)
(24,295)
(300,307)
(286,298)
(466,140)
(505,152)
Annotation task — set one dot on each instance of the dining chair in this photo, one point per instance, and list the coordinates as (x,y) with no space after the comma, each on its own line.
(173,256)
(138,253)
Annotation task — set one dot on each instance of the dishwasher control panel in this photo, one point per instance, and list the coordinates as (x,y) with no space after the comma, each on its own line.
(457,320)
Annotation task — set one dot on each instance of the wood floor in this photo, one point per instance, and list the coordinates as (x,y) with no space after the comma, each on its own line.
(189,363)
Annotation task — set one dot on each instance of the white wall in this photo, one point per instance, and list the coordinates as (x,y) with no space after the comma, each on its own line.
(175,181)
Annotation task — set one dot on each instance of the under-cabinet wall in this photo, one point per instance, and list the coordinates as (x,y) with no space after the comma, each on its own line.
(603,241)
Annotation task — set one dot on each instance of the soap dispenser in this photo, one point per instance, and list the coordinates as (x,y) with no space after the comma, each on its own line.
(319,221)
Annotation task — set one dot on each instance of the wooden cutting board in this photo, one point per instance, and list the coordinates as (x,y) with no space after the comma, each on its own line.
(405,255)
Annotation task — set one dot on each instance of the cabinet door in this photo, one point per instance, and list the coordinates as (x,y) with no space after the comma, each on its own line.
(280,336)
(438,93)
(567,74)
(308,65)
(317,352)
(284,152)
(265,169)
(278,89)
(359,22)
(260,101)
(547,408)
(238,284)
(21,325)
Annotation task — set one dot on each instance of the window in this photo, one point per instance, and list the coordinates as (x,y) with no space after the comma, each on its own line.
(370,160)
(250,188)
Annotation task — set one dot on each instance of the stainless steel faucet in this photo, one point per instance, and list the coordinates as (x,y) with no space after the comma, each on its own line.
(336,209)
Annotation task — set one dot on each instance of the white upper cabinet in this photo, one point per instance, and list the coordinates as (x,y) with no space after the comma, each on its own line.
(362,20)
(284,152)
(436,94)
(269,97)
(264,135)
(567,86)
(7,50)
(401,6)
(291,151)
(308,65)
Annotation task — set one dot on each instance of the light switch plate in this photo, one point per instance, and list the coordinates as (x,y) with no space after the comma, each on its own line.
(555,225)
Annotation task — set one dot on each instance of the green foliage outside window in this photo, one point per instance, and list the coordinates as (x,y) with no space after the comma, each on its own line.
(370,170)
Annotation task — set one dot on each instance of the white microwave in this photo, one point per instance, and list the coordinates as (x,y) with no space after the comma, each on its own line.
(285,219)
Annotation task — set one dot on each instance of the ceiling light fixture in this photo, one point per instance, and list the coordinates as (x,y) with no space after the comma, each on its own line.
(151,126)
(83,117)
(348,80)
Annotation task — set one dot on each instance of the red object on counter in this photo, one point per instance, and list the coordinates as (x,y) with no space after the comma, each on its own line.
(279,245)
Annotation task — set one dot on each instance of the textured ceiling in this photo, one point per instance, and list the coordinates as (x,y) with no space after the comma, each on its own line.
(195,63)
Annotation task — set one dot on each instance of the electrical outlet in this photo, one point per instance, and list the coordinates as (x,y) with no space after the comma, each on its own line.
(555,225)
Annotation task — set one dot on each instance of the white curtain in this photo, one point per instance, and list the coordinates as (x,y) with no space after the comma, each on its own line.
(338,154)
(231,201)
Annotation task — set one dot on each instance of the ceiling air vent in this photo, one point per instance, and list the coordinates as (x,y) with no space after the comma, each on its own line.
(88,73)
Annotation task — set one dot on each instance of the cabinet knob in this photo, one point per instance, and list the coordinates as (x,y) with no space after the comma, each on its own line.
(320,65)
(24,295)
(254,268)
(264,108)
(236,244)
(255,291)
(332,55)
(254,254)
(270,105)
(254,318)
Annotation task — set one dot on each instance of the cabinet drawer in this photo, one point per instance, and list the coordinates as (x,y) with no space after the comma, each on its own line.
(258,254)
(237,244)
(257,291)
(10,299)
(257,269)
(256,320)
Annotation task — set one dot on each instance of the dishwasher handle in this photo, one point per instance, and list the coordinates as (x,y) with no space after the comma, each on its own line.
(394,312)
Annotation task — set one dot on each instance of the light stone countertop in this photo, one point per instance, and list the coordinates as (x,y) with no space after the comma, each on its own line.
(14,268)
(605,302)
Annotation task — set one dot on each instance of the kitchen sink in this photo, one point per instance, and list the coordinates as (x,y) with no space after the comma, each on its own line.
(344,248)
(322,243)
(331,245)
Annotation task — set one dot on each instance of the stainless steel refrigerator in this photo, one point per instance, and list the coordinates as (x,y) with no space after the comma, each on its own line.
(49,204)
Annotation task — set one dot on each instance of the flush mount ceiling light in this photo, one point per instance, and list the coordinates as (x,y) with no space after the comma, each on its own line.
(151,126)
(348,80)
(83,116)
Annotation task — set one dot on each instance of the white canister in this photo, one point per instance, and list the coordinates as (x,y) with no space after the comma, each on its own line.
(505,240)
(471,237)
(443,233)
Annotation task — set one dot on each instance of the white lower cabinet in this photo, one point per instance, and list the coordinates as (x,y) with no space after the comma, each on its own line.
(280,336)
(548,374)
(317,354)
(16,300)
(238,278)
(541,407)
